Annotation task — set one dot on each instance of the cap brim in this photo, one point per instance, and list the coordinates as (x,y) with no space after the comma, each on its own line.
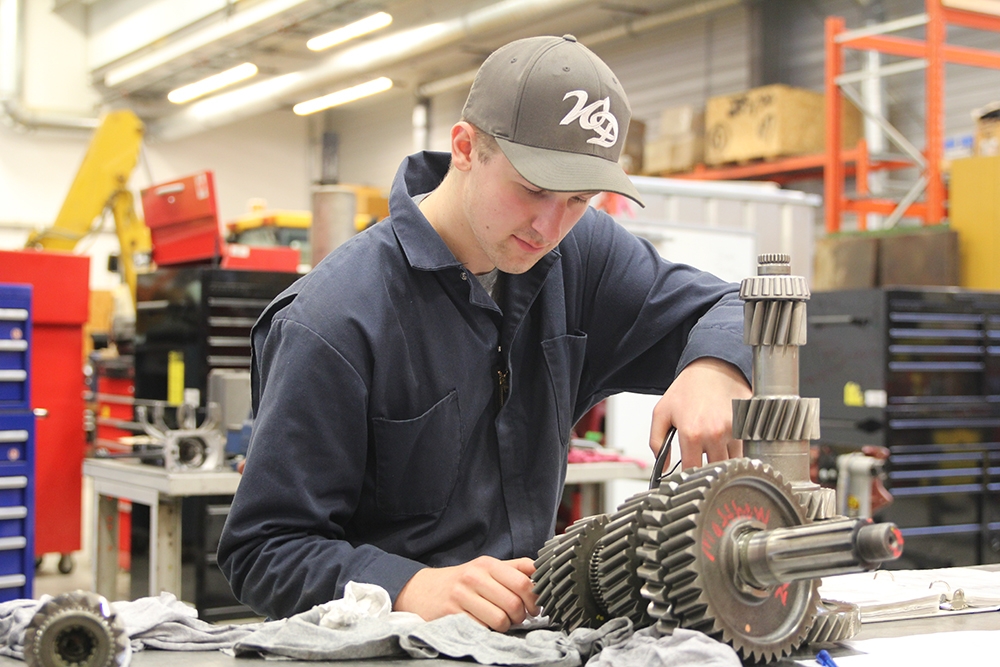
(561,171)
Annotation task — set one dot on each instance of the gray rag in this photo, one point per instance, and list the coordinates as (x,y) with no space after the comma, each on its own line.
(649,648)
(456,636)
(162,622)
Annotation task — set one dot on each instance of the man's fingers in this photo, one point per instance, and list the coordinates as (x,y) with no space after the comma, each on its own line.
(517,580)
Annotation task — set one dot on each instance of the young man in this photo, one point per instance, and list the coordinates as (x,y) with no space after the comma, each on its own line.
(414,394)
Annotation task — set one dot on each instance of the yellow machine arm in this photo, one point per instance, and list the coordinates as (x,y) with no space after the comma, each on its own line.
(101,184)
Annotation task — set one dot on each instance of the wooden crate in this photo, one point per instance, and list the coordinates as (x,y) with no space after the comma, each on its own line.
(769,122)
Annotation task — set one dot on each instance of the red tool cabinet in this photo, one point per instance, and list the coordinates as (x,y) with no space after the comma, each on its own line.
(61,292)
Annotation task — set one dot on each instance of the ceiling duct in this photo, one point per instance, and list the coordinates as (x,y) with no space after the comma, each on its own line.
(12,109)
(277,92)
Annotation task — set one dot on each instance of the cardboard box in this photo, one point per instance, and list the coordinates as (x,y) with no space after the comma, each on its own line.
(924,256)
(986,140)
(673,154)
(682,119)
(772,121)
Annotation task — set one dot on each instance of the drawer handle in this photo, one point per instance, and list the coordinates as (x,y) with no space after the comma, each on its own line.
(13,436)
(17,512)
(13,376)
(13,482)
(13,314)
(12,581)
(13,345)
(11,543)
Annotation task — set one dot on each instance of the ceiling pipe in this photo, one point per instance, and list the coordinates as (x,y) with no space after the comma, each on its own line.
(378,53)
(630,29)
(12,110)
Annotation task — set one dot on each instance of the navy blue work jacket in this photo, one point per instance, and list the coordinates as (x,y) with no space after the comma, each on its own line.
(380,444)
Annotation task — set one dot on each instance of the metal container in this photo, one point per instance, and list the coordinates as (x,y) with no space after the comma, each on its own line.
(333,208)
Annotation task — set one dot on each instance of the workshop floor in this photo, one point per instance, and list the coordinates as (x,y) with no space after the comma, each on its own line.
(49,581)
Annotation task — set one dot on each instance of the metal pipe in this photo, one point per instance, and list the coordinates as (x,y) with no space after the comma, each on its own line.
(12,110)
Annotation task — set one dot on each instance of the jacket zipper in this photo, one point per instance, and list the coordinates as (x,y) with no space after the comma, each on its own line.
(502,386)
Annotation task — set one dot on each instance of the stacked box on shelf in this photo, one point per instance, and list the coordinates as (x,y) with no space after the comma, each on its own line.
(17,429)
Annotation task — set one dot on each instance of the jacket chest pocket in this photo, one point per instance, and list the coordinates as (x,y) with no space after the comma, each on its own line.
(417,459)
(564,357)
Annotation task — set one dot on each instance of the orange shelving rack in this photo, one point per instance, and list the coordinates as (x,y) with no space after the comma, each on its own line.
(931,54)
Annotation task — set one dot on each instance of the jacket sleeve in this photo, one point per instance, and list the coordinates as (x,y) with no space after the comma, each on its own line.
(283,547)
(646,317)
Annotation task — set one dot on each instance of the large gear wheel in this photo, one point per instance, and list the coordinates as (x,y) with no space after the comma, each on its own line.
(693,574)
(76,629)
(617,574)
(566,578)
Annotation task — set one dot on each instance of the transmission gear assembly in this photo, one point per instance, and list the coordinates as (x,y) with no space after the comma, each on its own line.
(76,629)
(734,549)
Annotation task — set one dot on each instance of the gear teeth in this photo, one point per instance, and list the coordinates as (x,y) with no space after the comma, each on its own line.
(756,288)
(774,323)
(680,582)
(565,575)
(835,622)
(773,418)
(819,504)
(88,618)
(616,574)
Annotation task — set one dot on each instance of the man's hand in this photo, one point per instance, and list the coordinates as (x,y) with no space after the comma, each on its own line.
(699,404)
(497,593)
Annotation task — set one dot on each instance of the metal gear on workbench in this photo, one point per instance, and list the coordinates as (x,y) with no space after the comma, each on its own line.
(692,566)
(566,576)
(776,424)
(76,629)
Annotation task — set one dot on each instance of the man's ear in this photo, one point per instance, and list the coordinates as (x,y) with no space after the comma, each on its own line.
(462,134)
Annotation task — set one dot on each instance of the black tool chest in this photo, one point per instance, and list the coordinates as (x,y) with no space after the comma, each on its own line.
(917,370)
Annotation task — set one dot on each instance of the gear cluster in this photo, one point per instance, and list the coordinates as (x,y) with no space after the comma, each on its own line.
(733,549)
(726,549)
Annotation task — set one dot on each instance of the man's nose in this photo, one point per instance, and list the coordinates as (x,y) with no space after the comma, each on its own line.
(548,222)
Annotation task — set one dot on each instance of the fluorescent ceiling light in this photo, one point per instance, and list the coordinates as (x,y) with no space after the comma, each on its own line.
(238,22)
(211,84)
(349,31)
(343,96)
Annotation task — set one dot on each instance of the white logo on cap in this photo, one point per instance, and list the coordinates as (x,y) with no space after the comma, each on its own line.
(596,117)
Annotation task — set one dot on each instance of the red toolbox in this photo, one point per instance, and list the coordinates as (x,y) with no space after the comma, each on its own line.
(183,220)
(61,300)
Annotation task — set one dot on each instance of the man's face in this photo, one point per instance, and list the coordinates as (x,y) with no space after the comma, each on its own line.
(515,223)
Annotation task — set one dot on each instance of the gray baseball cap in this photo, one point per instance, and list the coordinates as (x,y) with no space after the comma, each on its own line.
(558,113)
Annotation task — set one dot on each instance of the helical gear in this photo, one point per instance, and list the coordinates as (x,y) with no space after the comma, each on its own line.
(565,577)
(819,503)
(776,418)
(76,629)
(774,323)
(687,579)
(617,574)
(835,622)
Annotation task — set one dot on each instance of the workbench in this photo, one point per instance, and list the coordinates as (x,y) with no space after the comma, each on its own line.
(162,491)
(977,655)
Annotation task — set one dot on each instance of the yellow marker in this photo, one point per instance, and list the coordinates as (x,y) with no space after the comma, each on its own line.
(175,377)
(853,396)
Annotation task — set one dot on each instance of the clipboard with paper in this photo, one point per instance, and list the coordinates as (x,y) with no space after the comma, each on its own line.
(888,595)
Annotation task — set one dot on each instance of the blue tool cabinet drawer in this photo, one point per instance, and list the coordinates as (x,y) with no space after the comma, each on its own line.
(16,437)
(15,342)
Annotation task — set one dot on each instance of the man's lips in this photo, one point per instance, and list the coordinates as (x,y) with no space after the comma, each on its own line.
(529,247)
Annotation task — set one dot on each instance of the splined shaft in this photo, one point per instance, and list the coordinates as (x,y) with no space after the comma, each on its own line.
(821,549)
